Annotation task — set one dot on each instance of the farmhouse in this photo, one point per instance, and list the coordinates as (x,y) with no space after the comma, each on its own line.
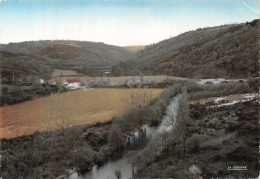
(72,83)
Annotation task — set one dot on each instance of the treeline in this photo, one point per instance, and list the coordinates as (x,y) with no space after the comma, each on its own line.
(226,51)
(204,91)
(19,94)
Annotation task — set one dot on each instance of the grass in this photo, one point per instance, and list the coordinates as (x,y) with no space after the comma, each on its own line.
(134,48)
(76,107)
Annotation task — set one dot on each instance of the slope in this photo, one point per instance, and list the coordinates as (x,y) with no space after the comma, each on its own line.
(226,51)
(21,68)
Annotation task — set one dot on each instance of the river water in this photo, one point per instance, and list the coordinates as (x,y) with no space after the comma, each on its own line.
(118,160)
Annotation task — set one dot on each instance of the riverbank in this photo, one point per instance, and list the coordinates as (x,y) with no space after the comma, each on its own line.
(121,159)
(220,142)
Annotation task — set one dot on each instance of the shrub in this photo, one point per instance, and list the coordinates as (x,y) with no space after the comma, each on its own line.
(4,90)
(253,84)
(115,136)
(194,144)
(153,101)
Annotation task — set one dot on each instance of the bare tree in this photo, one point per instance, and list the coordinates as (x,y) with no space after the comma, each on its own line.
(118,174)
(139,98)
(49,112)
(131,155)
(171,114)
(194,172)
(57,113)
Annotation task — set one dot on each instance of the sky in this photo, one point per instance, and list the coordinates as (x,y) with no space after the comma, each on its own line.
(117,22)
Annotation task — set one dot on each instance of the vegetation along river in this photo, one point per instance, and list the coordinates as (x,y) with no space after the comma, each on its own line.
(118,161)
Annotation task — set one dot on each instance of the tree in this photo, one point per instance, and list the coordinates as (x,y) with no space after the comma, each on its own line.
(172,117)
(118,174)
(4,90)
(57,113)
(139,98)
(92,82)
(59,84)
(116,71)
(194,172)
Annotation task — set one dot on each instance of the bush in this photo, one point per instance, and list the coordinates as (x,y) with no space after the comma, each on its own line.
(233,127)
(253,84)
(115,136)
(153,101)
(194,144)
(83,158)
(4,90)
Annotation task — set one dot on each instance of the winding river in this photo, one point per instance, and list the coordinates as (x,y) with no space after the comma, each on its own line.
(118,160)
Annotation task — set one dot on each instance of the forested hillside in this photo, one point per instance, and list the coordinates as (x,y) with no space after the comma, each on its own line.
(71,54)
(227,51)
(21,77)
(21,68)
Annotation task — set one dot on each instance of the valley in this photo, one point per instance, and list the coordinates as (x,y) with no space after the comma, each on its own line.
(185,107)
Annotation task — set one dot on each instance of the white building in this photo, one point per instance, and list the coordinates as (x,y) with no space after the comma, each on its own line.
(72,83)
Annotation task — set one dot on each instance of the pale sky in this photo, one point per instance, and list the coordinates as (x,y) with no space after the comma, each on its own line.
(117,22)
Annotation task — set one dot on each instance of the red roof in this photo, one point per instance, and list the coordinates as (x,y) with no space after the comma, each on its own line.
(72,80)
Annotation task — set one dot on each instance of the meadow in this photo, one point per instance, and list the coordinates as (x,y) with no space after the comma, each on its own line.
(71,108)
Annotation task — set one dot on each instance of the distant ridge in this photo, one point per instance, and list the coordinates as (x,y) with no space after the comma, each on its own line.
(68,54)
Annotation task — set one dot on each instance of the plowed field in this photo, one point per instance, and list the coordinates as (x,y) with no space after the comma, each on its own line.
(70,109)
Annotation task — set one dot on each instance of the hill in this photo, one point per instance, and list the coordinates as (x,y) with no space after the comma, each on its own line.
(17,68)
(229,51)
(71,54)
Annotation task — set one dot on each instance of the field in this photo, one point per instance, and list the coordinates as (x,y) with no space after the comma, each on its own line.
(134,48)
(58,72)
(70,109)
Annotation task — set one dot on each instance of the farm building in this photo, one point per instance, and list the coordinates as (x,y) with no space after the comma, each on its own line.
(72,83)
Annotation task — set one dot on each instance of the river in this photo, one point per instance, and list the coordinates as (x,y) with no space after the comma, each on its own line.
(118,160)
